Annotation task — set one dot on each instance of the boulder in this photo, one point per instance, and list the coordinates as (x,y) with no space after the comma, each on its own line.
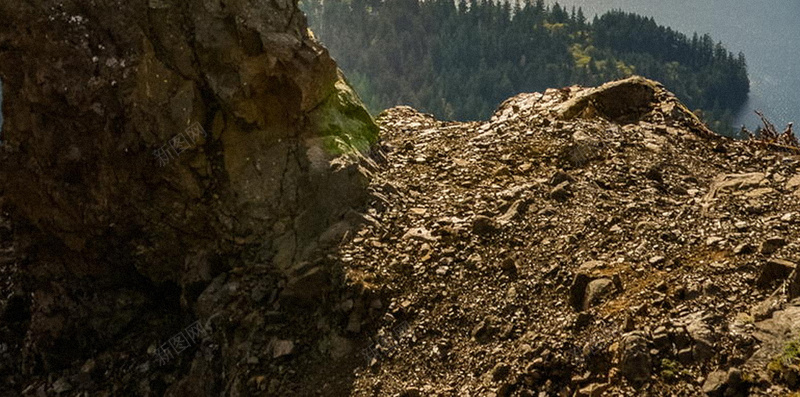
(774,270)
(634,357)
(732,183)
(621,101)
(771,245)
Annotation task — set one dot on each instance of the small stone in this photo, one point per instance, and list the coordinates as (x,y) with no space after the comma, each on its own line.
(483,225)
(661,339)
(715,384)
(741,226)
(596,291)
(744,249)
(503,170)
(504,390)
(560,192)
(702,350)
(629,324)
(473,260)
(354,322)
(771,245)
(594,390)
(509,265)
(679,190)
(774,270)
(560,177)
(714,240)
(656,260)
(411,392)
(282,348)
(514,210)
(347,305)
(635,363)
(89,366)
(419,233)
(764,309)
(793,183)
(481,331)
(61,386)
(577,290)
(685,356)
(500,371)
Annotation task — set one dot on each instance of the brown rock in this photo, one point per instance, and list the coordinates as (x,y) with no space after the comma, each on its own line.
(634,360)
(771,245)
(483,225)
(560,177)
(774,270)
(560,193)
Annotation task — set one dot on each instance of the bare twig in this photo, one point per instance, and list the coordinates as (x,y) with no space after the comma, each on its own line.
(769,134)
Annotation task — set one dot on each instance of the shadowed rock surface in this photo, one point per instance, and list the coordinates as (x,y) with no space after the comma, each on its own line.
(150,146)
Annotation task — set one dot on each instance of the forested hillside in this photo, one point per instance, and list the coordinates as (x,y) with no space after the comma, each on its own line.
(459,61)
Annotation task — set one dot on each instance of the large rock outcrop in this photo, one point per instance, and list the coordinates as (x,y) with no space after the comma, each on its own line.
(160,143)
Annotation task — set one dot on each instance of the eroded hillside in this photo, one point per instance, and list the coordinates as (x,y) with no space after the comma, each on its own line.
(581,242)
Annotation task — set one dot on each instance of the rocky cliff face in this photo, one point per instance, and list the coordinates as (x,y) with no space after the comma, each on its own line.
(153,145)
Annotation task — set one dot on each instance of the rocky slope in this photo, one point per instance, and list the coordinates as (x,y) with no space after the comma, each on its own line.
(182,189)
(581,242)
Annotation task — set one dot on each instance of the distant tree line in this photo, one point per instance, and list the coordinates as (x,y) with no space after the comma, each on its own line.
(460,60)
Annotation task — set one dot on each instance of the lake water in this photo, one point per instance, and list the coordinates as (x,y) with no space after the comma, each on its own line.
(766,31)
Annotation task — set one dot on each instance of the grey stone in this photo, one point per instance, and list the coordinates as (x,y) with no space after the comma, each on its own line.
(725,383)
(577,291)
(634,361)
(61,385)
(685,356)
(282,348)
(596,290)
(419,233)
